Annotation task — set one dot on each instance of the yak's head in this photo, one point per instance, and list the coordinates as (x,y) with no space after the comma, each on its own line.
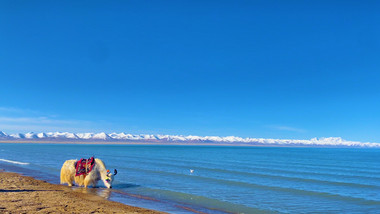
(109,178)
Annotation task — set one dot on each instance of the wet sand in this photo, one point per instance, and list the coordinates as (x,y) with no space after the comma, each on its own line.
(22,194)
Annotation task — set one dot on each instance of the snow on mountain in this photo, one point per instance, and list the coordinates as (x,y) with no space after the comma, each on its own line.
(31,135)
(17,136)
(121,136)
(41,135)
(102,136)
(62,135)
(85,136)
(3,134)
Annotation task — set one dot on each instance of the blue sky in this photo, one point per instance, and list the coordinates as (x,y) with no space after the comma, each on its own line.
(271,69)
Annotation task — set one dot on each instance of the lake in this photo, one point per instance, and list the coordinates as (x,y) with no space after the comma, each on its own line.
(218,179)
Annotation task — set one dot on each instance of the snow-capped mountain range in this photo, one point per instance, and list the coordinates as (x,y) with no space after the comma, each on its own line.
(123,137)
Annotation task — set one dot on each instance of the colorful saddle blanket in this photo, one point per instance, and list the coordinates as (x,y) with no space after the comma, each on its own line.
(84,166)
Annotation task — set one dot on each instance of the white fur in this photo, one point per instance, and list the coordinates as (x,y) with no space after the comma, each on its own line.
(98,172)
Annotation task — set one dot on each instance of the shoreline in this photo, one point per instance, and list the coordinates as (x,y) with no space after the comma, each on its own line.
(24,194)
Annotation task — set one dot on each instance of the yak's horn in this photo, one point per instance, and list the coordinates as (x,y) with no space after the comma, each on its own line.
(115,172)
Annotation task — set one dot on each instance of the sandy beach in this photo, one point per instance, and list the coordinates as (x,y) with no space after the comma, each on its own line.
(22,194)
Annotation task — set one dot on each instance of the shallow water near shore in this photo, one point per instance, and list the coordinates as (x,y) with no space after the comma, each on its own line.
(218,179)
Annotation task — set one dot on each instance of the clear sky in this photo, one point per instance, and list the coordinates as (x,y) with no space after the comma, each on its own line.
(271,69)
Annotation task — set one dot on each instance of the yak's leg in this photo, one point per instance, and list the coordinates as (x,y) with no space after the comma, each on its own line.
(67,179)
(70,181)
(88,181)
(94,183)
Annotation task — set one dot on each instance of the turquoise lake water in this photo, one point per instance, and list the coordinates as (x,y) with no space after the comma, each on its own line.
(225,179)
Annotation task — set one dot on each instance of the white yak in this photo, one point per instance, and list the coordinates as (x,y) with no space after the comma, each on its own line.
(98,172)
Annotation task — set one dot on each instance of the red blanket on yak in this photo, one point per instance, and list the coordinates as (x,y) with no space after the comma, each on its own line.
(84,166)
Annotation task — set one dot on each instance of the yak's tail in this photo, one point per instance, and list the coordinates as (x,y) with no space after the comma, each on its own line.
(62,177)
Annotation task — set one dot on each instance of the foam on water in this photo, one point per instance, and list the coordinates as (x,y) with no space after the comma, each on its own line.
(14,162)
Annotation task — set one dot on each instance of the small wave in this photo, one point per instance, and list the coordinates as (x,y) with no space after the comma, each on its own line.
(199,203)
(14,162)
